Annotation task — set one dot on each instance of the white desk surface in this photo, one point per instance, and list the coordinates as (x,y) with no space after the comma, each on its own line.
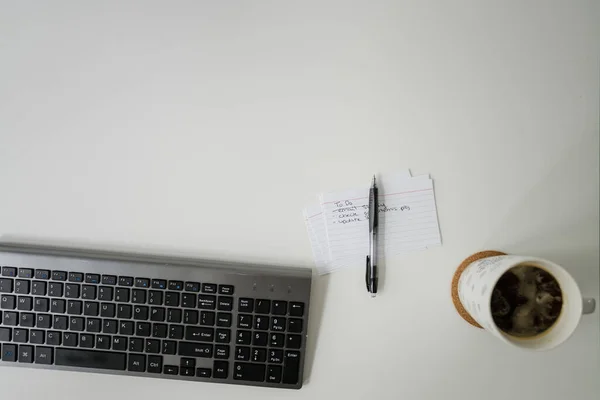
(119,122)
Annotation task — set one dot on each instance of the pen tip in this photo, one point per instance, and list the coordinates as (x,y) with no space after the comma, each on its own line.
(373,179)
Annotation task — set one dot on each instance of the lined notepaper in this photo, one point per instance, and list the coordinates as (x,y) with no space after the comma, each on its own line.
(338,228)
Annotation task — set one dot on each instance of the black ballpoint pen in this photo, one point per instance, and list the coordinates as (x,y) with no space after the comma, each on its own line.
(371,274)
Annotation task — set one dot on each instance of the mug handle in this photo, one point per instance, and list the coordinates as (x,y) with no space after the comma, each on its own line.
(589,305)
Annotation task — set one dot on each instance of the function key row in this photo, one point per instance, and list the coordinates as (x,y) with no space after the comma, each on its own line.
(275,307)
(78,277)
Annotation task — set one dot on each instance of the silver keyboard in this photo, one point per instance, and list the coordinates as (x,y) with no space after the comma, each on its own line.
(149,316)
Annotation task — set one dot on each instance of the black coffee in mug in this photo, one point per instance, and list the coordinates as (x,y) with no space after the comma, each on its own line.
(526,301)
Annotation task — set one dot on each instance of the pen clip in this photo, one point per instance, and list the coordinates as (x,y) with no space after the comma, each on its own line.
(368,275)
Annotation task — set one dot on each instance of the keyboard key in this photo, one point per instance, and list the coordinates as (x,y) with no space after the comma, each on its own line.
(53,338)
(246,305)
(41,304)
(190,317)
(122,295)
(74,307)
(225,303)
(60,322)
(7,302)
(126,328)
(58,306)
(188,300)
(143,329)
(242,353)
(72,290)
(226,289)
(171,370)
(88,292)
(220,369)
(9,352)
(291,367)
(207,318)
(172,299)
(203,372)
(136,363)
(224,319)
(262,306)
(296,309)
(42,274)
(261,323)
(209,288)
(260,339)
(278,324)
(136,344)
(223,336)
(26,273)
(110,326)
(107,310)
(142,282)
(37,336)
(94,325)
(175,285)
(21,286)
(70,339)
(275,356)
(44,321)
(259,355)
(189,349)
(207,302)
(153,346)
(140,313)
(75,277)
(89,278)
(38,288)
(9,271)
(176,332)
(155,298)
(174,315)
(186,371)
(124,311)
(102,342)
(169,347)
(222,351)
(157,314)
(119,343)
(192,287)
(249,372)
(243,337)
(55,289)
(44,355)
(125,281)
(274,374)
(295,325)
(5,334)
(77,324)
(87,340)
(155,364)
(109,280)
(105,293)
(276,340)
(11,318)
(159,330)
(24,303)
(199,334)
(293,341)
(138,296)
(91,308)
(159,284)
(244,321)
(27,320)
(187,362)
(59,275)
(6,285)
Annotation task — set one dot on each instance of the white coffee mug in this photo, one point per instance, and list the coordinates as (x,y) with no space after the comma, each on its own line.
(478,280)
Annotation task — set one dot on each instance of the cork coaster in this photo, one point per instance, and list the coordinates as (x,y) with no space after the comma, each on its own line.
(457,304)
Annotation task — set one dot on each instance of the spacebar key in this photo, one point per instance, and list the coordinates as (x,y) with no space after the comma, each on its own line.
(90,359)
